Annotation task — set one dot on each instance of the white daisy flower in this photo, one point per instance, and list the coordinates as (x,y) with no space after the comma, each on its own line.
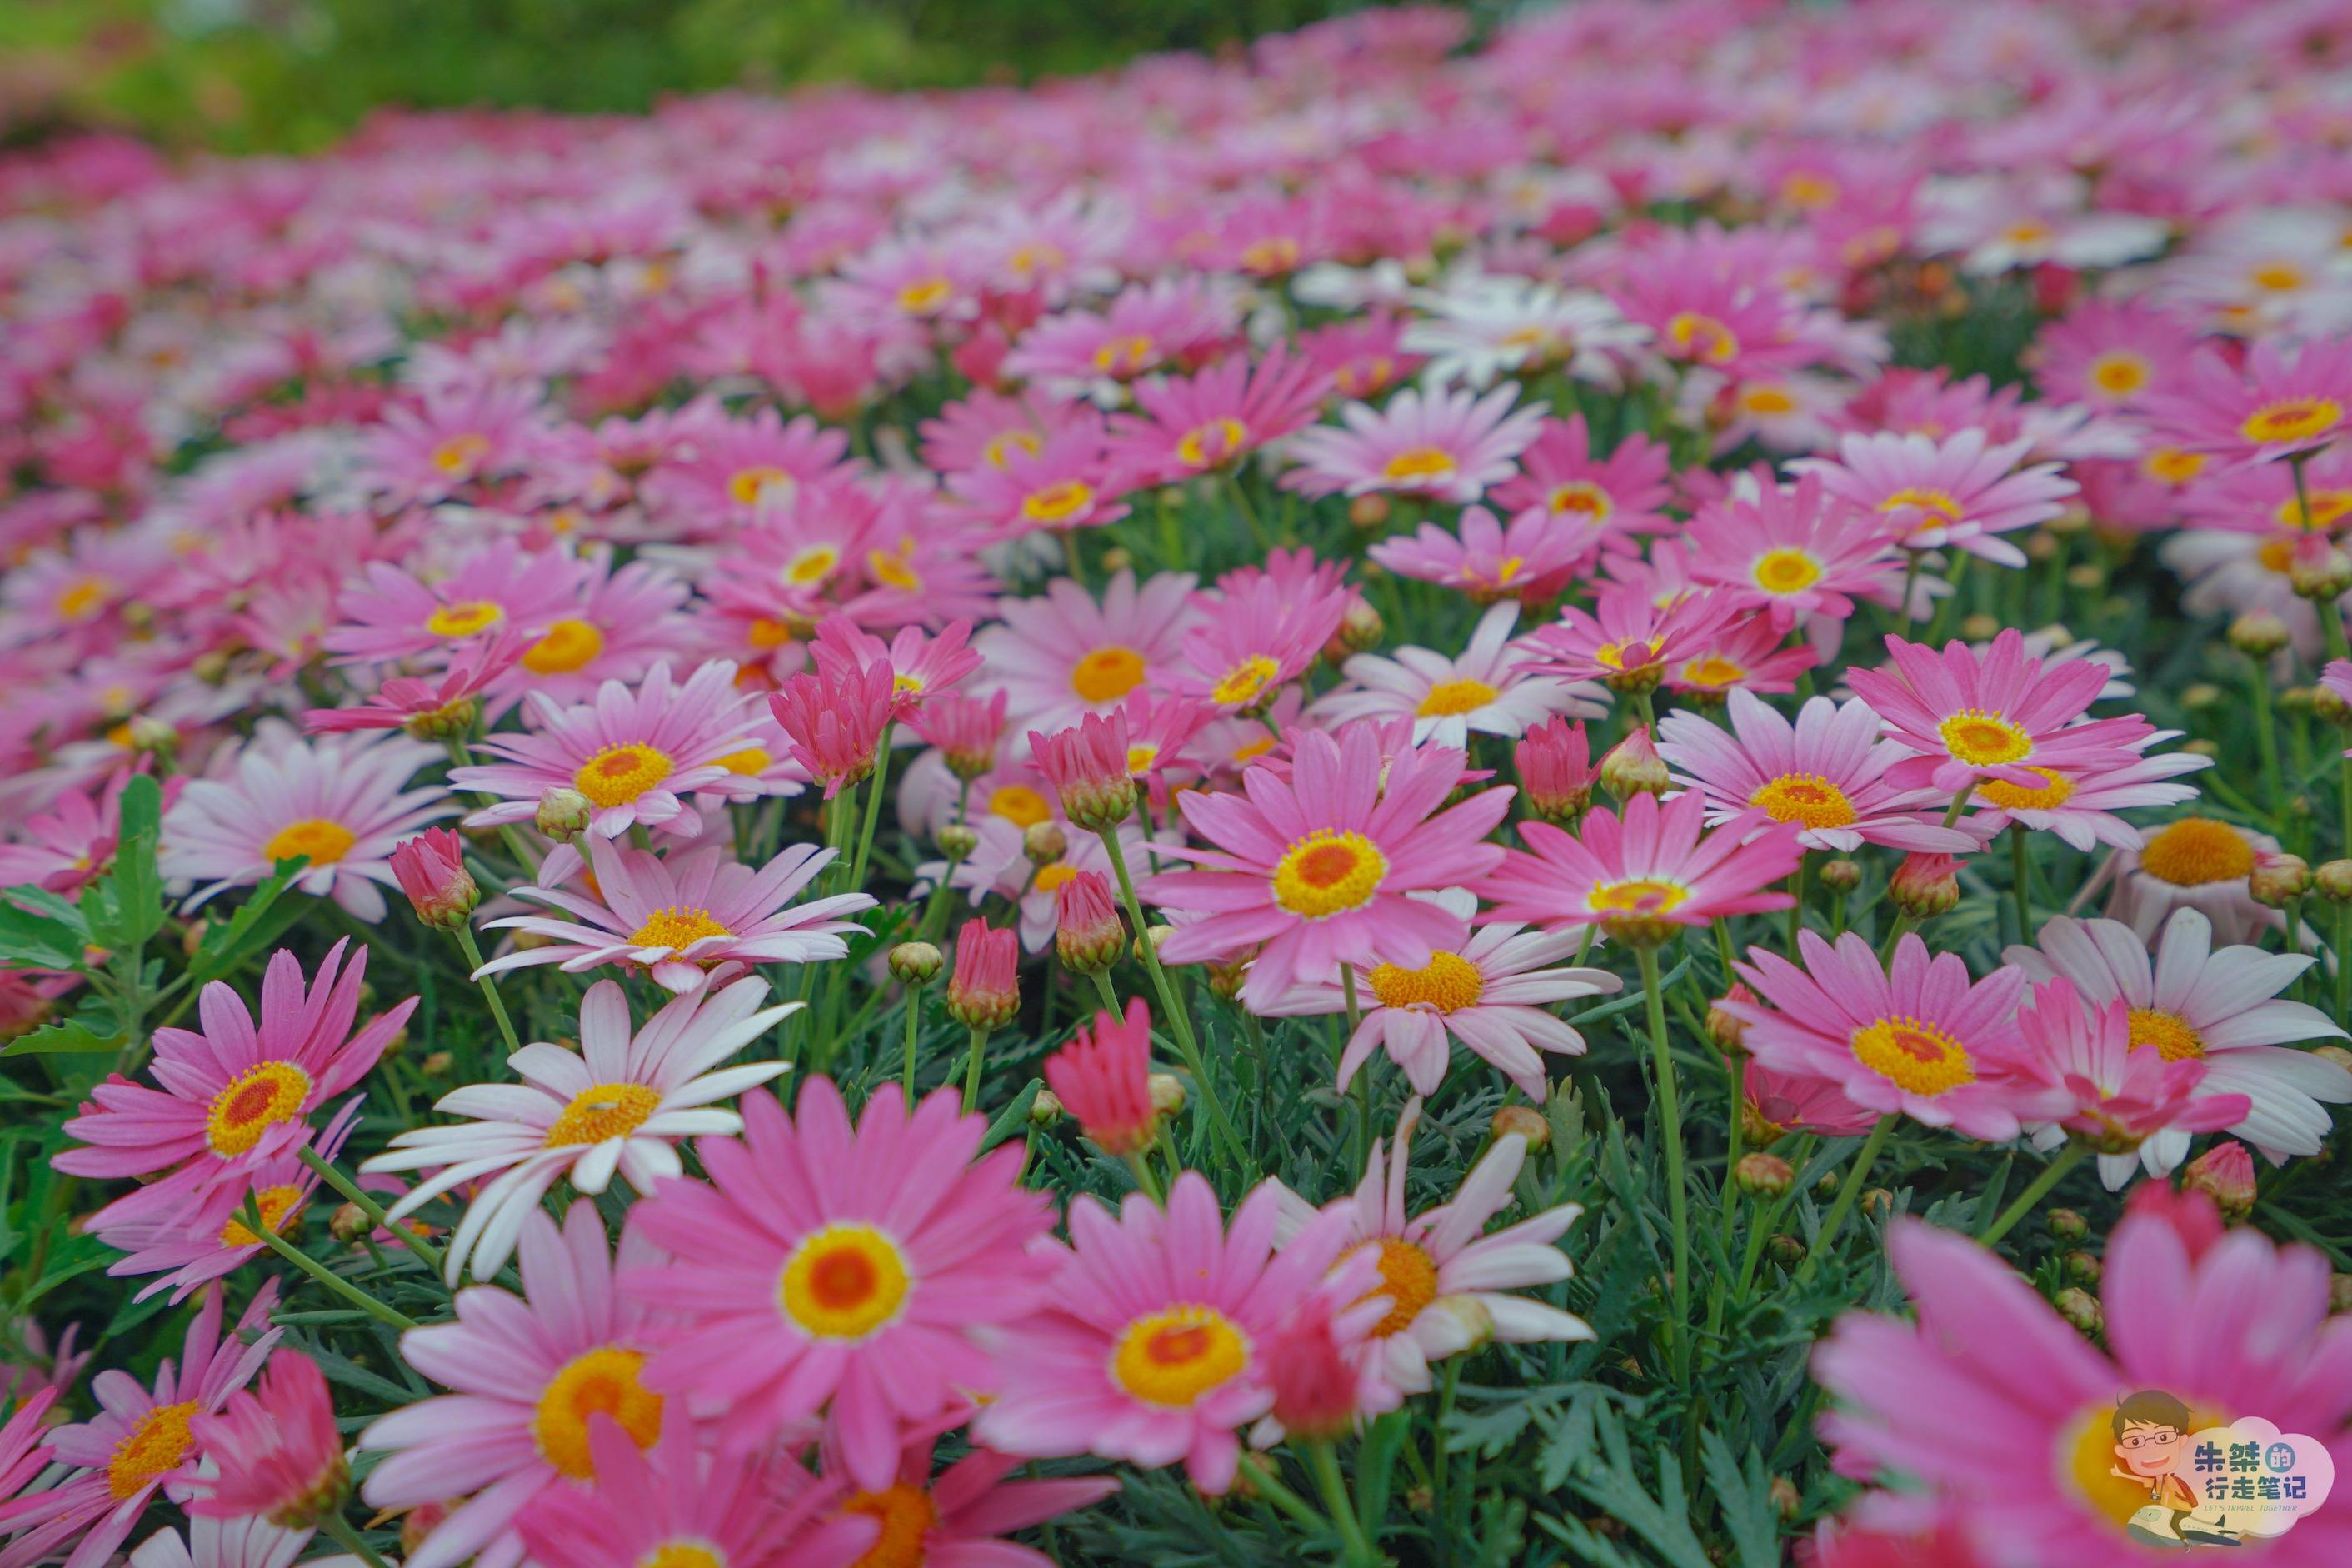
(1491,686)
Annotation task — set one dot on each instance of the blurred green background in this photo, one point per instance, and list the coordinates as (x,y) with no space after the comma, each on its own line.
(294,75)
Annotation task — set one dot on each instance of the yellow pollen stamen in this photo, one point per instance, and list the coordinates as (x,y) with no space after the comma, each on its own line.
(2196,850)
(1982,739)
(1768,399)
(1329,873)
(2169,1033)
(1408,1279)
(907,1515)
(1917,1058)
(602,1111)
(810,564)
(1124,356)
(568,646)
(1713,673)
(1171,1358)
(280,1206)
(1417,463)
(1107,673)
(915,298)
(2295,419)
(151,1450)
(1058,502)
(321,841)
(464,617)
(1448,698)
(1448,982)
(1212,443)
(1786,571)
(2119,373)
(1705,338)
(1018,804)
(682,1554)
(81,599)
(1806,798)
(1936,508)
(1244,680)
(2054,792)
(749,763)
(845,1281)
(2171,466)
(618,775)
(601,1382)
(252,1102)
(677,926)
(460,454)
(763,485)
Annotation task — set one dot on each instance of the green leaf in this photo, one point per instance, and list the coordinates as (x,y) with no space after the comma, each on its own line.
(70,1035)
(1746,1497)
(138,889)
(1013,1117)
(258,922)
(39,937)
(1607,1481)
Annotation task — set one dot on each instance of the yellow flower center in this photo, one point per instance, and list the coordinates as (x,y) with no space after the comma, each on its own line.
(82,598)
(845,1281)
(618,775)
(601,1111)
(2276,555)
(323,842)
(1808,799)
(1124,356)
(2171,466)
(1327,873)
(2276,278)
(2055,789)
(1244,680)
(1018,804)
(1448,698)
(253,1101)
(2169,1033)
(1639,896)
(2196,850)
(749,763)
(1000,448)
(1256,746)
(905,1514)
(1703,337)
(915,298)
(1057,502)
(1786,571)
(1768,399)
(279,1205)
(1917,1058)
(1448,982)
(810,564)
(464,617)
(601,1382)
(682,1554)
(1268,256)
(151,1450)
(1713,673)
(1049,877)
(459,454)
(568,646)
(1139,758)
(2327,510)
(2027,232)
(1804,189)
(762,485)
(1632,654)
(677,926)
(2295,419)
(1981,739)
(1107,674)
(1212,443)
(1174,1357)
(1419,463)
(1408,1279)
(2119,373)
(892,570)
(1936,508)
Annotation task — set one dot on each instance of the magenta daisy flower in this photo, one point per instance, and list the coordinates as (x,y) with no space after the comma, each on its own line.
(1065,654)
(427,707)
(140,1440)
(633,753)
(1974,714)
(922,666)
(1774,1104)
(1446,445)
(955,1519)
(1491,688)
(623,621)
(696,919)
(1485,560)
(1212,421)
(1794,553)
(2079,802)
(1070,481)
(747,471)
(1318,866)
(2114,355)
(2284,402)
(1146,1343)
(1744,653)
(451,439)
(1174,321)
(1258,636)
(622,1102)
(533,1376)
(1642,877)
(1586,502)
(392,614)
(1963,492)
(826,1266)
(235,1096)
(1629,635)
(2111,1093)
(273,1451)
(337,802)
(1826,773)
(62,850)
(1920,1039)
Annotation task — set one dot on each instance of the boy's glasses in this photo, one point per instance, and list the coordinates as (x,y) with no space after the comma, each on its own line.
(2151,1439)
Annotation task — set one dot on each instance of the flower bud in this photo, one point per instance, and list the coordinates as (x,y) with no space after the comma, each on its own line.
(1980,627)
(984,993)
(2258,634)
(2335,1054)
(2320,571)
(1361,627)
(1046,1110)
(916,964)
(1227,978)
(1167,1093)
(1724,1030)
(2278,880)
(1369,511)
(1045,843)
(350,1223)
(2225,1173)
(2081,1268)
(1555,764)
(2327,704)
(2066,1225)
(957,841)
(1926,885)
(1761,1175)
(564,814)
(431,870)
(447,723)
(1156,936)
(436,1064)
(2333,878)
(1088,935)
(151,736)
(1524,1120)
(1876,1202)
(2081,1309)
(1313,1386)
(1087,766)
(1841,874)
(1784,1497)
(2200,695)
(1634,767)
(1785,1250)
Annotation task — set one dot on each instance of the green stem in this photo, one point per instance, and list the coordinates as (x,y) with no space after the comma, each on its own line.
(1324,1460)
(1848,1190)
(1302,1512)
(489,984)
(1799,880)
(2020,872)
(1144,1177)
(2051,1174)
(1104,990)
(251,1219)
(874,793)
(1671,1136)
(426,1253)
(971,1070)
(914,1027)
(334,1524)
(2265,738)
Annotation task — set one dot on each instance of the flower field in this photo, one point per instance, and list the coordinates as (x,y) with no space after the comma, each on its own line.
(1569,794)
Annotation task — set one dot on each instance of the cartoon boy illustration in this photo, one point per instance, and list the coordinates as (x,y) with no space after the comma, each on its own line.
(2151,1431)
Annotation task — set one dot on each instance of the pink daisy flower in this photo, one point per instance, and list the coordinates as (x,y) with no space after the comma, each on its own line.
(1794,553)
(2193,862)
(1317,866)
(921,666)
(988,429)
(893,1246)
(2079,803)
(835,719)
(955,1519)
(1920,1039)
(1642,876)
(1213,420)
(1364,355)
(633,753)
(1485,560)
(2113,354)
(1962,492)
(1974,714)
(1065,654)
(746,470)
(391,615)
(2285,401)
(273,1450)
(1173,321)
(1743,653)
(1491,688)
(622,1102)
(1446,446)
(2218,1323)
(236,1095)
(1446,1284)
(1826,774)
(224,1543)
(72,843)
(1774,1104)
(1492,988)
(533,1375)
(1260,634)
(450,438)
(141,1438)
(2109,1092)
(1145,1346)
(1629,635)
(2192,1002)
(623,621)
(1070,481)
(424,707)
(1589,503)
(697,919)
(336,802)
